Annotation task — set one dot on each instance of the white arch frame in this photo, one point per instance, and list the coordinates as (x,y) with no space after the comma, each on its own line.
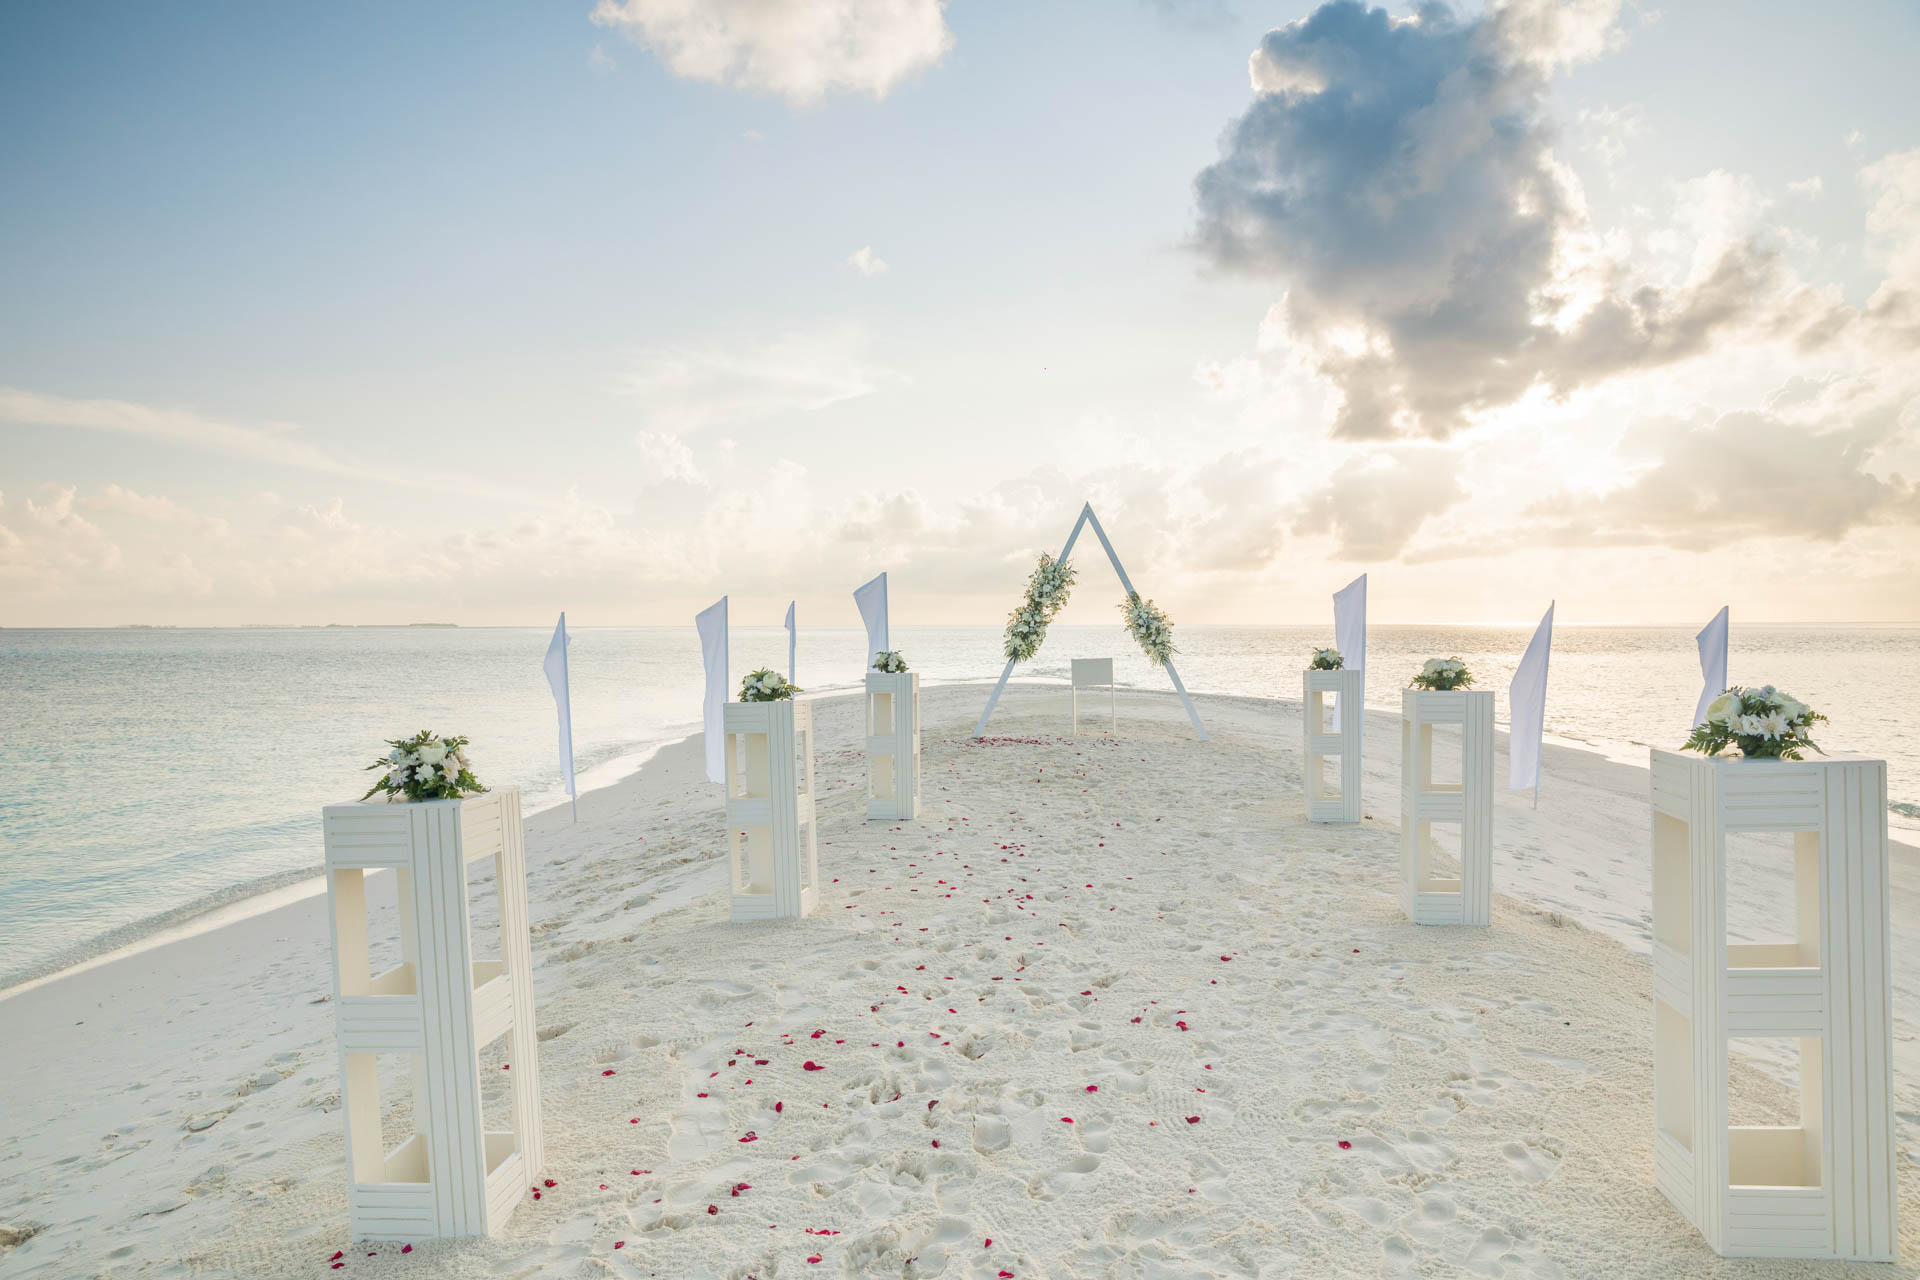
(1088,518)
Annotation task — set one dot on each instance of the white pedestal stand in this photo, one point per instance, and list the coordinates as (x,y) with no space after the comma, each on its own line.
(439,1006)
(893,745)
(774,865)
(1341,745)
(1467,804)
(1824,1188)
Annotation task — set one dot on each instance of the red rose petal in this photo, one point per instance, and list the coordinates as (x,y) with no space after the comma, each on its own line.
(1345,1145)
(713,1208)
(811,1065)
(1193,1119)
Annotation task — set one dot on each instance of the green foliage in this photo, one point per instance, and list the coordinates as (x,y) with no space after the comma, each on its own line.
(1151,628)
(1047,591)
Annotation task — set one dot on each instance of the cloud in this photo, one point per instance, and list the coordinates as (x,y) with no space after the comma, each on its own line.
(1375,503)
(31,408)
(1892,187)
(154,510)
(1808,187)
(866,261)
(668,459)
(1810,464)
(598,59)
(797,51)
(685,388)
(1398,175)
(278,444)
(1744,474)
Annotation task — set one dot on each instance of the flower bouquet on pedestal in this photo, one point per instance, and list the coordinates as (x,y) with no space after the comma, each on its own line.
(1442,674)
(767,685)
(425,767)
(1765,723)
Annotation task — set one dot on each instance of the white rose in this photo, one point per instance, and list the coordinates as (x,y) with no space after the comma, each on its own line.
(1723,708)
(433,752)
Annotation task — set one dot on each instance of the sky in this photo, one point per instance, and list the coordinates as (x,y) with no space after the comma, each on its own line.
(470,313)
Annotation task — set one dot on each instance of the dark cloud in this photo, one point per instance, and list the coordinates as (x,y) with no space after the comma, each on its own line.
(1397,175)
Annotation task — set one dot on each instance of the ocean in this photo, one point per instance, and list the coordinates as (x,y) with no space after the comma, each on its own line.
(147,775)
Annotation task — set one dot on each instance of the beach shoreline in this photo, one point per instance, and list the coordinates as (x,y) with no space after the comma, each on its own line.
(255,897)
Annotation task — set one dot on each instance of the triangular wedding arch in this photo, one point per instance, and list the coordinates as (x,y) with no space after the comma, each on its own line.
(1088,518)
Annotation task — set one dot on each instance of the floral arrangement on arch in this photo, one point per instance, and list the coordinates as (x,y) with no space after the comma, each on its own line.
(1442,674)
(1047,590)
(889,662)
(766,685)
(1151,627)
(425,767)
(1326,660)
(1765,723)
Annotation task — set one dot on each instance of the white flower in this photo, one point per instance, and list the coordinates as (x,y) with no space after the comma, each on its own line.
(433,752)
(1723,708)
(1774,725)
(397,776)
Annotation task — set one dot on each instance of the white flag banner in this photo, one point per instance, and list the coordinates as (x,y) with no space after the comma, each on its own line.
(792,644)
(1350,632)
(711,622)
(872,599)
(1713,663)
(557,680)
(1527,708)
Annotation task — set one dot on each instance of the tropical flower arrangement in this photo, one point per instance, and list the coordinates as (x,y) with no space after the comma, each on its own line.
(889,662)
(1764,723)
(1047,591)
(1151,627)
(766,685)
(1441,674)
(425,767)
(1326,660)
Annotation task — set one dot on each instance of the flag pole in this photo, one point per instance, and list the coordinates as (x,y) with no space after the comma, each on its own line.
(566,682)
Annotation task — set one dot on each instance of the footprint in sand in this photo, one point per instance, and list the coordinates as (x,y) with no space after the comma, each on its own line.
(1530,1163)
(1051,1186)
(1095,1135)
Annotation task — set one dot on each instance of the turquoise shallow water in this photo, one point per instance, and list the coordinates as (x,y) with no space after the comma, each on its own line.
(146,774)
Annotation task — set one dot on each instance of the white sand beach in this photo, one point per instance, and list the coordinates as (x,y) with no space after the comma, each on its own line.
(1111,1008)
